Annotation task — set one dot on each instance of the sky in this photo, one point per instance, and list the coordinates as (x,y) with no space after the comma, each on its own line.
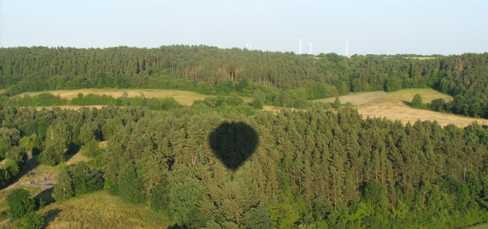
(344,27)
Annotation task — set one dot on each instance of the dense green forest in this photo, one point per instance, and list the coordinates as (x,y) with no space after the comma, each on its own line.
(283,79)
(308,169)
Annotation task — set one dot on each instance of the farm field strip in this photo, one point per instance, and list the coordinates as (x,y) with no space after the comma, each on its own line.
(392,105)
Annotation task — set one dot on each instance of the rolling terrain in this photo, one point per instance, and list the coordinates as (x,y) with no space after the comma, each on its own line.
(393,106)
(376,104)
(183,97)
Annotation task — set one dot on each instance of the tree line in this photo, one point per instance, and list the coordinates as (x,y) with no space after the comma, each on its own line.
(283,79)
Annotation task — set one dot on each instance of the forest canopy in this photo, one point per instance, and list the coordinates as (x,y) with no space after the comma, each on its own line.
(283,79)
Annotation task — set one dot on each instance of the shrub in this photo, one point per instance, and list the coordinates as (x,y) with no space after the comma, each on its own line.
(20,203)
(90,149)
(31,221)
(258,218)
(417,101)
(76,180)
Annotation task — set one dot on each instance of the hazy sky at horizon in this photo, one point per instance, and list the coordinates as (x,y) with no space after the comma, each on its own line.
(375,26)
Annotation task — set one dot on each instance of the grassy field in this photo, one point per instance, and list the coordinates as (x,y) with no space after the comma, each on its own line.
(96,210)
(101,210)
(370,104)
(183,97)
(379,104)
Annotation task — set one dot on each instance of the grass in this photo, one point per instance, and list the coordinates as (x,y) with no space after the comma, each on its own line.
(390,105)
(379,104)
(183,97)
(102,210)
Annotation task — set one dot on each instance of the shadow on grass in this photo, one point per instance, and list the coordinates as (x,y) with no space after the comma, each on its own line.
(72,150)
(50,216)
(44,198)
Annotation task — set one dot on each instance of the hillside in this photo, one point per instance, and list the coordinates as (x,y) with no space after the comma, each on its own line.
(99,210)
(377,104)
(392,106)
(102,210)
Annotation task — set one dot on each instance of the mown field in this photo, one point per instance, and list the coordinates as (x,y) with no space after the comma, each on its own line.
(392,105)
(376,104)
(183,97)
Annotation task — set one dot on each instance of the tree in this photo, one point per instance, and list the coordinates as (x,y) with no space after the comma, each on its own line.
(258,218)
(131,187)
(159,196)
(58,139)
(20,203)
(64,186)
(438,105)
(77,180)
(85,179)
(417,101)
(185,196)
(31,220)
(392,84)
(30,144)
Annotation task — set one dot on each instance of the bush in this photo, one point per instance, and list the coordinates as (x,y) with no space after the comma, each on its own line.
(417,101)
(16,154)
(258,218)
(90,149)
(20,203)
(31,221)
(76,180)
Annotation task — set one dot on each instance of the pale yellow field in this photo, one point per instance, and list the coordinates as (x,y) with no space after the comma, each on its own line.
(69,107)
(102,210)
(183,97)
(392,106)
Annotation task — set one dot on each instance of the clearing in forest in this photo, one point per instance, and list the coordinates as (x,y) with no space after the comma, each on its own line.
(183,97)
(392,105)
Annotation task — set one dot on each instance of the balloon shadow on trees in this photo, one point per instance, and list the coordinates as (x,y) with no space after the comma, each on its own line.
(233,143)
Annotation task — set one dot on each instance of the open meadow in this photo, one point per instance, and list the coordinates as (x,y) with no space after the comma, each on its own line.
(183,97)
(392,105)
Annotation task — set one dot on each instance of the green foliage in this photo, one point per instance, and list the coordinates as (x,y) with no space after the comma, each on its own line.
(439,105)
(58,139)
(64,188)
(31,221)
(8,171)
(159,197)
(16,154)
(130,185)
(393,84)
(185,195)
(89,132)
(417,101)
(211,70)
(77,180)
(30,144)
(90,149)
(20,203)
(257,218)
(8,138)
